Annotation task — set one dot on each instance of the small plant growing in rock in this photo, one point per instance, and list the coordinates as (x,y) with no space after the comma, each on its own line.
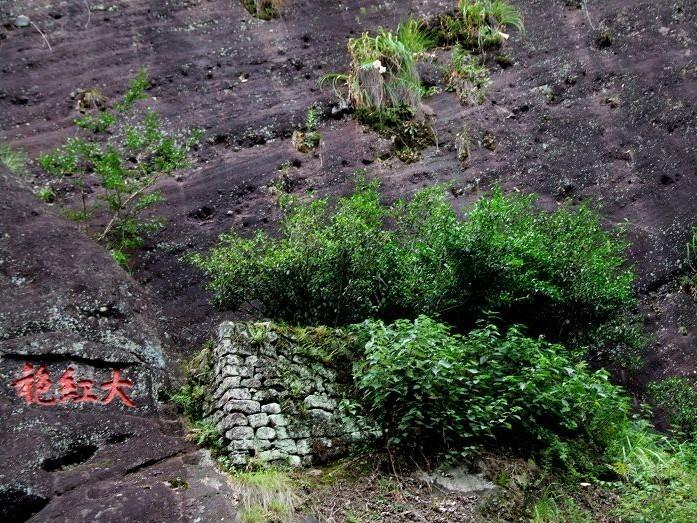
(383,75)
(14,160)
(480,24)
(264,9)
(125,166)
(468,77)
(46,194)
(308,138)
(463,144)
(384,86)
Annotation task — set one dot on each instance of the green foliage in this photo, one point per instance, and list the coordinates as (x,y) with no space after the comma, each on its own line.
(14,160)
(308,138)
(125,165)
(560,272)
(480,24)
(659,477)
(468,77)
(678,397)
(264,9)
(433,389)
(383,72)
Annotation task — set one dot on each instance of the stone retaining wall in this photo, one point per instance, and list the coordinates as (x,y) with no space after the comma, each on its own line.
(274,400)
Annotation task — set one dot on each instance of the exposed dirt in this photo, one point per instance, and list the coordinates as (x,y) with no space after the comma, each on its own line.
(613,120)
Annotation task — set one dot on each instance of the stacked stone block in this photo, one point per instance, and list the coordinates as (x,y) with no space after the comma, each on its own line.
(273,403)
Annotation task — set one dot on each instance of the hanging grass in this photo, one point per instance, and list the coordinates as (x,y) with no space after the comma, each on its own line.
(383,74)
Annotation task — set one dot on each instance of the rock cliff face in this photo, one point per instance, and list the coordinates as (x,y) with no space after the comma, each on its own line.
(277,400)
(81,365)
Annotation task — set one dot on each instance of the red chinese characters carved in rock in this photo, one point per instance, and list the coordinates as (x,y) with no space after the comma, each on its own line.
(35,387)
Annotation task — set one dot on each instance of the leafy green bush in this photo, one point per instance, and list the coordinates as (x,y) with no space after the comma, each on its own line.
(434,389)
(678,397)
(125,165)
(559,272)
(562,265)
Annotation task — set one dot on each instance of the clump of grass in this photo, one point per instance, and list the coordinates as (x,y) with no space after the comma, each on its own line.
(468,77)
(266,495)
(480,24)
(14,160)
(264,9)
(384,87)
(383,72)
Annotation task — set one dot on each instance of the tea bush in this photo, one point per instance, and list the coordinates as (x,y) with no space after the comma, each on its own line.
(559,272)
(434,389)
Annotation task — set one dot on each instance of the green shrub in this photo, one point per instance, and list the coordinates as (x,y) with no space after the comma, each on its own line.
(678,397)
(433,389)
(126,164)
(559,272)
(562,265)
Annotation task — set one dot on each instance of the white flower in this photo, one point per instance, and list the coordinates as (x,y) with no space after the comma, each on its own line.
(377,64)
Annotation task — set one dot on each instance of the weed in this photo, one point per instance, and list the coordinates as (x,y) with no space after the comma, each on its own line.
(308,138)
(46,194)
(14,160)
(264,9)
(468,77)
(463,144)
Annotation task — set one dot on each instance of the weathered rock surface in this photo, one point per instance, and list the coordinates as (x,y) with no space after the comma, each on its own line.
(70,451)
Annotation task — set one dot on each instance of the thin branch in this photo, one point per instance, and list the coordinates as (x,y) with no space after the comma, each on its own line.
(42,35)
(585,8)
(89,13)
